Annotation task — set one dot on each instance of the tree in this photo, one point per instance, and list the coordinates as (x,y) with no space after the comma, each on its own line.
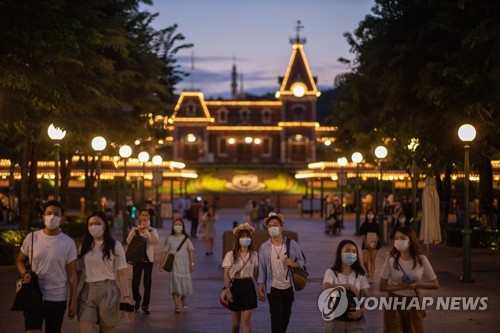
(422,68)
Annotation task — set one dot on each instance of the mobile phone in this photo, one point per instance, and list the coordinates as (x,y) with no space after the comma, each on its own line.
(126,307)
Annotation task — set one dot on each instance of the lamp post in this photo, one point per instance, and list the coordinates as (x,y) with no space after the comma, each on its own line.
(342,162)
(143,157)
(380,154)
(412,147)
(466,133)
(157,180)
(125,152)
(99,144)
(56,134)
(357,158)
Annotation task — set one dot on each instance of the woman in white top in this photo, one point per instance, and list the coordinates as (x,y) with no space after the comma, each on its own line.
(102,260)
(347,273)
(404,273)
(241,268)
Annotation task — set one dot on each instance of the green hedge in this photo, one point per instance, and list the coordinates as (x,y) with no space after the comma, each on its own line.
(481,238)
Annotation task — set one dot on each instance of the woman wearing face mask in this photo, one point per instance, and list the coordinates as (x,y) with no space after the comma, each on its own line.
(54,261)
(400,222)
(241,268)
(347,272)
(275,281)
(371,243)
(144,230)
(180,277)
(404,273)
(101,261)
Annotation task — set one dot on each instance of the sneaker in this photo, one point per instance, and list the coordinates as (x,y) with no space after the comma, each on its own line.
(145,310)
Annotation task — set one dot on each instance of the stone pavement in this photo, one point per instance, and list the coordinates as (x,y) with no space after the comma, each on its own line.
(206,315)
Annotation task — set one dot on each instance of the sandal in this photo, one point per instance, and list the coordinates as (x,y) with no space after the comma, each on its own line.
(184,302)
(177,309)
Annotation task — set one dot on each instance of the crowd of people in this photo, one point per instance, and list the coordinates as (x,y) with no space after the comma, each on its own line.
(88,280)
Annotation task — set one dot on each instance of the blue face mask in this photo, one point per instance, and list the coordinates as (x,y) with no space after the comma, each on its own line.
(245,242)
(177,229)
(274,231)
(349,258)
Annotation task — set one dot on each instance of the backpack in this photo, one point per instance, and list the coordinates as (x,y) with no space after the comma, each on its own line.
(136,250)
(299,275)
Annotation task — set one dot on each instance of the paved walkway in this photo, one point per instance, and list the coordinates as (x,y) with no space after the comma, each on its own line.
(206,315)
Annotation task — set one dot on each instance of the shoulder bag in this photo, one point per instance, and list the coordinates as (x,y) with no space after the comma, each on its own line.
(28,296)
(169,262)
(299,275)
(222,297)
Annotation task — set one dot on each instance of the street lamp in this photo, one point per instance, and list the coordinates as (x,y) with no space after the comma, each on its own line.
(357,158)
(466,133)
(157,180)
(380,154)
(412,147)
(125,152)
(98,144)
(56,134)
(143,157)
(342,162)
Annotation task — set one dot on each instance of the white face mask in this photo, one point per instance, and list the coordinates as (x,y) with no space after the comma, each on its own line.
(274,231)
(370,216)
(177,229)
(245,241)
(96,230)
(52,221)
(402,244)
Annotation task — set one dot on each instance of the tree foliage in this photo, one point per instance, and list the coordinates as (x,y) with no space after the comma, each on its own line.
(422,68)
(93,67)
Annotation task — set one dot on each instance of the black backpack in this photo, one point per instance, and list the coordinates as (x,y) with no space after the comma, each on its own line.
(136,251)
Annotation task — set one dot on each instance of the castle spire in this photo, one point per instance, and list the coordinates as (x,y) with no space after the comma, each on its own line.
(234,80)
(297,39)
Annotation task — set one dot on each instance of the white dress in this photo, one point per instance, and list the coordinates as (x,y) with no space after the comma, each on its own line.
(180,277)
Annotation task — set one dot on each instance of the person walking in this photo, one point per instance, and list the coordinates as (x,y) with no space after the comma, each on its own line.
(181,284)
(101,262)
(275,281)
(54,261)
(404,273)
(348,273)
(241,268)
(371,242)
(208,225)
(149,233)
(195,216)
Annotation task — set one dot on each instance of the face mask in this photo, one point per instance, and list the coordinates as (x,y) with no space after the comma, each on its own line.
(52,221)
(349,258)
(148,223)
(245,242)
(177,229)
(370,216)
(96,231)
(402,244)
(402,220)
(274,231)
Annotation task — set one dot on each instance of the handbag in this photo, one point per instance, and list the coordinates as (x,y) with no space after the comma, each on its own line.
(169,261)
(299,275)
(222,297)
(136,250)
(28,295)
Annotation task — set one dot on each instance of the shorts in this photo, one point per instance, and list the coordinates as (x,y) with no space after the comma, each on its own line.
(52,313)
(99,303)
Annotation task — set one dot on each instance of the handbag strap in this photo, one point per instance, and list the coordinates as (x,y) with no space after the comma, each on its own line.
(182,243)
(32,246)
(237,274)
(415,289)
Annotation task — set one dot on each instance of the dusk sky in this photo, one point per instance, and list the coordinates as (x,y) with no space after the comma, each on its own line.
(255,34)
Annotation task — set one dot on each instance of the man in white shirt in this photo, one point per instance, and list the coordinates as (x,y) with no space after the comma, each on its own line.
(54,261)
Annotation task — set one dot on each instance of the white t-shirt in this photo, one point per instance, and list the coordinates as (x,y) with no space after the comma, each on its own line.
(96,269)
(281,277)
(51,256)
(247,271)
(360,282)
(394,276)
